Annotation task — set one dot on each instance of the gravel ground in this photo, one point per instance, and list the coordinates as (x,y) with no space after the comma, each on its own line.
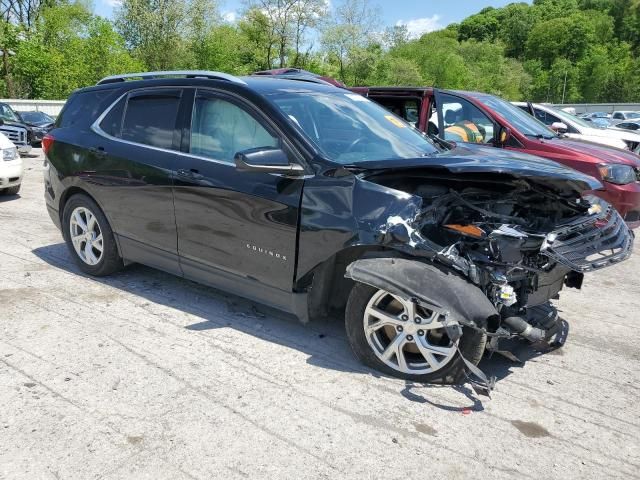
(147,376)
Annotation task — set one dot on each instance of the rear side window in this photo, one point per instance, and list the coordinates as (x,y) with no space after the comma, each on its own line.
(150,117)
(83,108)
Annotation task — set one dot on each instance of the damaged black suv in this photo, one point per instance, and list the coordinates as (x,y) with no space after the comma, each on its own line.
(313,199)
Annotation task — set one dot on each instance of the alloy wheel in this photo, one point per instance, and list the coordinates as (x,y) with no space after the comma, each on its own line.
(86,236)
(406,337)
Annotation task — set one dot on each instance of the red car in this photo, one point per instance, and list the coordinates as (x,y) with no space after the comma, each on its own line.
(483,118)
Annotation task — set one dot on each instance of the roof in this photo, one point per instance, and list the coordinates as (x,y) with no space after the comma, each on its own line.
(264,85)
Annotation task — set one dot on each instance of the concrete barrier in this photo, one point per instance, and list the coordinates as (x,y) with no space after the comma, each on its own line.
(50,107)
(600,107)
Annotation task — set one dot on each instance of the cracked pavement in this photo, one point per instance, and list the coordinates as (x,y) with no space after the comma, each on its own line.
(145,375)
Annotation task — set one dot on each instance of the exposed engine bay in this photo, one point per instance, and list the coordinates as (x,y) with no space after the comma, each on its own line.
(519,241)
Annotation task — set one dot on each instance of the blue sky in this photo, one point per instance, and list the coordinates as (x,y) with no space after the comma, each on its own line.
(420,16)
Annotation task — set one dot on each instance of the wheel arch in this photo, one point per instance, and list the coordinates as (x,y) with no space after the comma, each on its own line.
(427,282)
(75,190)
(326,284)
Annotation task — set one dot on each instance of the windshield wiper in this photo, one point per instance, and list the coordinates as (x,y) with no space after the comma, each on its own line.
(441,143)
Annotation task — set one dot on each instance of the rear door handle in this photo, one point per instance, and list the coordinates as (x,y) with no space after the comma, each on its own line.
(191,174)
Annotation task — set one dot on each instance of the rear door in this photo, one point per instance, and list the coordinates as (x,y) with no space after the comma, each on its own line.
(134,155)
(234,226)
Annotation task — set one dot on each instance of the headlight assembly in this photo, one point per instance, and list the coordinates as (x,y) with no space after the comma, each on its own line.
(617,173)
(9,154)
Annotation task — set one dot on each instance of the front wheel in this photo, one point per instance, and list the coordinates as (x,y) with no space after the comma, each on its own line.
(400,338)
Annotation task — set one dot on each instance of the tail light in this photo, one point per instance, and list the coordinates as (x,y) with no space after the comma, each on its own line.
(47,142)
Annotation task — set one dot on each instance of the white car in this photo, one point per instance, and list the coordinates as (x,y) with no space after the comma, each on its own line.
(578,128)
(10,167)
(620,115)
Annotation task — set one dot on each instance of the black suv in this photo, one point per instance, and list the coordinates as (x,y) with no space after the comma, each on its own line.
(313,199)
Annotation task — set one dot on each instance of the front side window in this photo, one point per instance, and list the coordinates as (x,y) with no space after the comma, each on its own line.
(220,129)
(349,128)
(150,117)
(463,121)
(7,114)
(546,117)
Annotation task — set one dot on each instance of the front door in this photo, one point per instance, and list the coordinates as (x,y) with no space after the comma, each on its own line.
(233,226)
(459,120)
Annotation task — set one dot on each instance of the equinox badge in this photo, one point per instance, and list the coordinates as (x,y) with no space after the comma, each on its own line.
(266,251)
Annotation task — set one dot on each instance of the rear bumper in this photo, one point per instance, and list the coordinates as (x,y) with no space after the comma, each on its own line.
(55,216)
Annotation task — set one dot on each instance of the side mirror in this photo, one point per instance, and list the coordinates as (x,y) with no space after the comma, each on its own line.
(1,122)
(559,127)
(504,134)
(266,160)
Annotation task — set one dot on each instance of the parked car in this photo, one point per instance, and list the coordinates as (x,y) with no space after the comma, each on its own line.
(625,115)
(438,111)
(10,167)
(574,127)
(12,126)
(599,119)
(594,115)
(39,122)
(308,197)
(633,126)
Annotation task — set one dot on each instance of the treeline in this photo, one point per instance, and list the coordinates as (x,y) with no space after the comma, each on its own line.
(576,50)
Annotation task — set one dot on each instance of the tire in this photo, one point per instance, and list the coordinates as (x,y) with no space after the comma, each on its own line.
(471,344)
(95,262)
(11,190)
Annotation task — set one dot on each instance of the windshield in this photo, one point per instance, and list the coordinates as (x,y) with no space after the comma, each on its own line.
(7,114)
(36,117)
(348,128)
(519,119)
(633,115)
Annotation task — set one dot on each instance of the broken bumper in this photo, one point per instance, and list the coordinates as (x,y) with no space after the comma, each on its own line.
(585,245)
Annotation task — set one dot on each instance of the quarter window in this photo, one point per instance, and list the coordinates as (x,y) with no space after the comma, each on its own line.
(150,118)
(220,129)
(112,122)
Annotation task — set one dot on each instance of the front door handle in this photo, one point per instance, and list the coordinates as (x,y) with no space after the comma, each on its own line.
(191,174)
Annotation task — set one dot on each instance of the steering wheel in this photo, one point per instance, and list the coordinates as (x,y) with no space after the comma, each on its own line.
(354,144)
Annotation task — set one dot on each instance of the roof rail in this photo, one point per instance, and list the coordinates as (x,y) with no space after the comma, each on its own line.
(174,73)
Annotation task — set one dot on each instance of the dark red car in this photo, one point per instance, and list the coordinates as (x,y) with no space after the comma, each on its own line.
(483,118)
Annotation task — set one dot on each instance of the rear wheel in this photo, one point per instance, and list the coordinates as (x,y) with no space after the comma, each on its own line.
(89,237)
(397,337)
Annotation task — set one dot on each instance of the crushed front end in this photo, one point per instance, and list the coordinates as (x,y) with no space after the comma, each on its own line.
(519,241)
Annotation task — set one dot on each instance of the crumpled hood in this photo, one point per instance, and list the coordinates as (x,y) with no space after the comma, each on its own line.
(601,152)
(469,158)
